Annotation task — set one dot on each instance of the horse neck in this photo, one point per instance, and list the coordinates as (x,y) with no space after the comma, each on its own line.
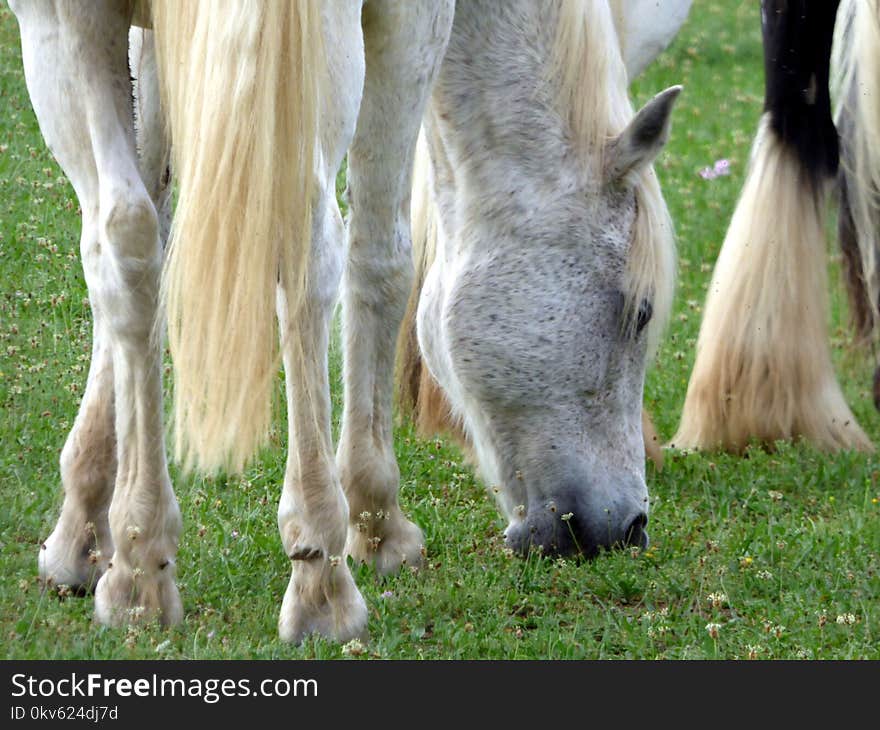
(501,149)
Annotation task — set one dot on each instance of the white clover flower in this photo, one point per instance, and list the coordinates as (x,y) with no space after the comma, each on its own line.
(354,648)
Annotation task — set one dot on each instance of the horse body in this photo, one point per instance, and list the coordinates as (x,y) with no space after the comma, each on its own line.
(645,29)
(542,222)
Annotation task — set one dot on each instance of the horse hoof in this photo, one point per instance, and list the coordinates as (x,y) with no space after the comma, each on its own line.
(336,611)
(124,596)
(68,561)
(387,547)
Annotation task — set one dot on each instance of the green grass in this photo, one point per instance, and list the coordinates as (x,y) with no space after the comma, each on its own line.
(781,551)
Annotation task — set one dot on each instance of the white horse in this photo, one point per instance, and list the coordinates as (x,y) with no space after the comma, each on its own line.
(555,248)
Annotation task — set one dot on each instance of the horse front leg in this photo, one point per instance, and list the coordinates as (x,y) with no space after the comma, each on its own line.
(404,45)
(76,66)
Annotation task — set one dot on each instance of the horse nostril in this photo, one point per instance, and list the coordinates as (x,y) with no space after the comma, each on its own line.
(635,532)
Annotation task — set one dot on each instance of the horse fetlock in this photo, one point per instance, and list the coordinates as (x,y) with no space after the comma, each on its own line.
(379,534)
(140,593)
(307,534)
(322,599)
(385,539)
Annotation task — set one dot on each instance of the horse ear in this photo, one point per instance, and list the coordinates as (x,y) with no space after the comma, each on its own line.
(636,146)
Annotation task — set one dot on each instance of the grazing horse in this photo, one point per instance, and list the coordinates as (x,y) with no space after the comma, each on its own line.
(763,369)
(554,249)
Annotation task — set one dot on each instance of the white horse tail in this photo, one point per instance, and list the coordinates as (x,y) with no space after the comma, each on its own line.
(857,114)
(418,394)
(241,82)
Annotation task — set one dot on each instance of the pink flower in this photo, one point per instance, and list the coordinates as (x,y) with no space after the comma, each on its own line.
(719,169)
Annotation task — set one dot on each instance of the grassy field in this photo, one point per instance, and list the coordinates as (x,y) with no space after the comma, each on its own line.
(769,556)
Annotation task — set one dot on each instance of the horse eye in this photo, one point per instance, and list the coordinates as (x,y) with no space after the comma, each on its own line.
(644,315)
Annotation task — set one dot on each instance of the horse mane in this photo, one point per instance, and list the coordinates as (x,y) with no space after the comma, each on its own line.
(588,71)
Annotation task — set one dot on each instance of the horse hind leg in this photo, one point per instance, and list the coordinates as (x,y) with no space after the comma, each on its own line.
(321,597)
(117,439)
(404,45)
(154,145)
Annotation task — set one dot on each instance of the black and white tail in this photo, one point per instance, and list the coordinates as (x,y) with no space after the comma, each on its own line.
(763,370)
